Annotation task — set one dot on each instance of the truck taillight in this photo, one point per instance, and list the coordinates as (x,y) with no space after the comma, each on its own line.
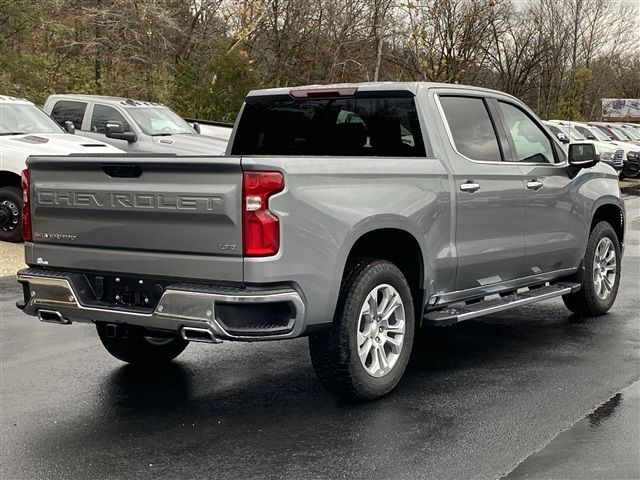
(261,228)
(26,206)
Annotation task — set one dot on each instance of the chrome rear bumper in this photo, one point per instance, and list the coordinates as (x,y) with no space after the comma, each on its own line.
(65,297)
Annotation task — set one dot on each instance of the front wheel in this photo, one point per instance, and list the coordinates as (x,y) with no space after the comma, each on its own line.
(137,349)
(601,274)
(365,353)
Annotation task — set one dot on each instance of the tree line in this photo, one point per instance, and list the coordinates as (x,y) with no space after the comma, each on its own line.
(202,56)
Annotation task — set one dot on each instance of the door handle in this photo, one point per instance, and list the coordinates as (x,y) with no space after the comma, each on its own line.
(470,187)
(534,185)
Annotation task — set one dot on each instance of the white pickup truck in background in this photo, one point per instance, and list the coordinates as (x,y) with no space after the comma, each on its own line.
(26,130)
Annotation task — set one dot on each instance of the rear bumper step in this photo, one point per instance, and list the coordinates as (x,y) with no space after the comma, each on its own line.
(196,312)
(455,314)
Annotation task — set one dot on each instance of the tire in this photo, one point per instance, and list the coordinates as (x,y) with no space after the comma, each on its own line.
(596,297)
(334,354)
(11,214)
(137,349)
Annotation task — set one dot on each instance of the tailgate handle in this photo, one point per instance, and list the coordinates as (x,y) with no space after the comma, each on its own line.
(122,170)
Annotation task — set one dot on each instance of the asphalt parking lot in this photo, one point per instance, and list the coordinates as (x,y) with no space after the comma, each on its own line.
(530,393)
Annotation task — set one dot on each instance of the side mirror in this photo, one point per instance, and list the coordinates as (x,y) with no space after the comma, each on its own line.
(115,129)
(69,127)
(582,155)
(563,138)
(591,136)
(196,127)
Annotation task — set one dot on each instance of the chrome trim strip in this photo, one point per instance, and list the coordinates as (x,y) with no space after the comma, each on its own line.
(176,308)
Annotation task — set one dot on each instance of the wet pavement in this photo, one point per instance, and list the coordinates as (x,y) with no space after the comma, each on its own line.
(578,452)
(509,394)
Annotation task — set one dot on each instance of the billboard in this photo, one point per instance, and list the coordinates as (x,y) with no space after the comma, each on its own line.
(621,109)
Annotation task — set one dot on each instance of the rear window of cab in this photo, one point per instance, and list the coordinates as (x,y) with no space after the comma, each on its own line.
(380,126)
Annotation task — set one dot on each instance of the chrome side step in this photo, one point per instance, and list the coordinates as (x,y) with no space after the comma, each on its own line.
(460,312)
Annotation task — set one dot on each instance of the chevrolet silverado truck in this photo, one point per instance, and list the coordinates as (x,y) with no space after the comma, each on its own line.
(350,214)
(26,130)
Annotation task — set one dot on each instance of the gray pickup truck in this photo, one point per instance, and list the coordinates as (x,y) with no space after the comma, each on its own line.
(351,214)
(136,126)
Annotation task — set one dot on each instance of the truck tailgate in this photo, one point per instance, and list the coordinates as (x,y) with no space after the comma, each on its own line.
(118,213)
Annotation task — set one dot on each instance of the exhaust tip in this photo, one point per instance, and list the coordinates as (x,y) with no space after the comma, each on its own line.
(193,334)
(53,316)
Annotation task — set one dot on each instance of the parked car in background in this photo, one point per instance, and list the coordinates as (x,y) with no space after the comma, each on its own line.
(26,130)
(132,125)
(615,132)
(631,130)
(630,152)
(567,134)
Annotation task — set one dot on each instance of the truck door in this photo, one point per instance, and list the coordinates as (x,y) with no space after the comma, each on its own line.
(554,220)
(490,195)
(69,111)
(100,115)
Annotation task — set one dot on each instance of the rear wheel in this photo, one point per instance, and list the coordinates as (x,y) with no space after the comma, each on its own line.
(135,348)
(601,274)
(365,353)
(10,214)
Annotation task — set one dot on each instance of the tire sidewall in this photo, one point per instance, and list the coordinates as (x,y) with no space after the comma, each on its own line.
(601,231)
(13,194)
(362,285)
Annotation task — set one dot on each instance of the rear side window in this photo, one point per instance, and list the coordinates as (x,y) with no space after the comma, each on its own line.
(103,114)
(471,128)
(73,112)
(280,125)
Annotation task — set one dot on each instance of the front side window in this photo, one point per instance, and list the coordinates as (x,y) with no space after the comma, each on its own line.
(103,115)
(591,134)
(68,111)
(354,126)
(471,128)
(530,143)
(574,134)
(599,134)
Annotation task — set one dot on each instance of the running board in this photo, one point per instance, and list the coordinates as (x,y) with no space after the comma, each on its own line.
(457,313)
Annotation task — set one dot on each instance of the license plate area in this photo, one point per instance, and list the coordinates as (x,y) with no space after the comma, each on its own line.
(123,291)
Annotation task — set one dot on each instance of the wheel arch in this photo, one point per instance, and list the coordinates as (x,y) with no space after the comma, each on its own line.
(611,213)
(9,179)
(400,247)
